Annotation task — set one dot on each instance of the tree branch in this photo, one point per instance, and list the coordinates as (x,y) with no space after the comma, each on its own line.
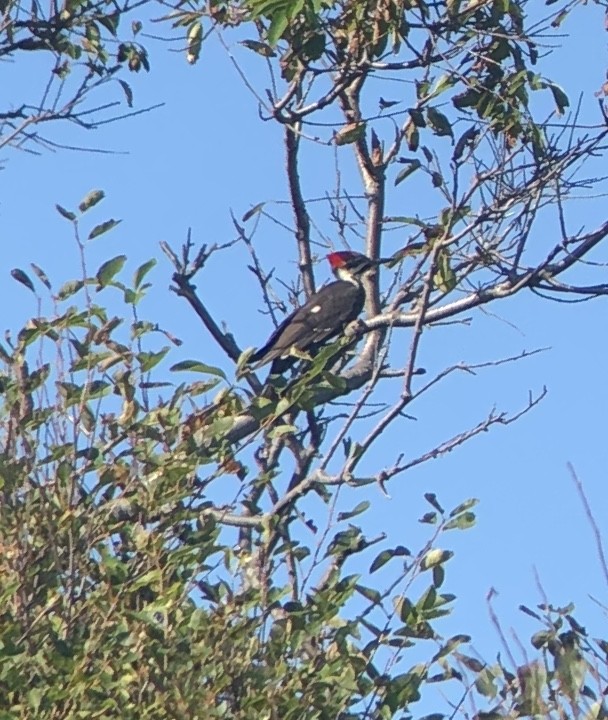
(292,142)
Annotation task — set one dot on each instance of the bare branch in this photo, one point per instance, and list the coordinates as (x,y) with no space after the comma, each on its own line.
(599,544)
(186,289)
(292,143)
(492,419)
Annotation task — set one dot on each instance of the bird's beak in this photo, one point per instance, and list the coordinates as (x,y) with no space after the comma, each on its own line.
(380,261)
(393,260)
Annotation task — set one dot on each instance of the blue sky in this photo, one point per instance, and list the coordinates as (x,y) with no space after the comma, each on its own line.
(205,153)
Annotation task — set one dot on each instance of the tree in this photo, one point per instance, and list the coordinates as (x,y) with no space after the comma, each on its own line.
(79,52)
(126,590)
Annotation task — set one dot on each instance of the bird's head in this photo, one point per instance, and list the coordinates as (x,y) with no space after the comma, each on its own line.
(349,266)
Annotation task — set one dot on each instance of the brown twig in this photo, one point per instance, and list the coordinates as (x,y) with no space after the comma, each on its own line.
(292,143)
(599,544)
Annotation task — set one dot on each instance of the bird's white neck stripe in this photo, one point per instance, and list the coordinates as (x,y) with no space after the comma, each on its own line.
(347,276)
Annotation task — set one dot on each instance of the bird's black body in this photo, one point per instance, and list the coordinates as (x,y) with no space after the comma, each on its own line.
(324,315)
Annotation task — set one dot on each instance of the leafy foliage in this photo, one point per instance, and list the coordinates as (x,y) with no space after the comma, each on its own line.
(81,46)
(124,593)
(116,575)
(178,544)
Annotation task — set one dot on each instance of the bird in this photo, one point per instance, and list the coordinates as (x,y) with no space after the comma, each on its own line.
(323,316)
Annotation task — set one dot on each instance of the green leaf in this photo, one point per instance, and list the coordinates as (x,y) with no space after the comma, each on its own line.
(126,88)
(355,450)
(37,378)
(439,122)
(148,360)
(370,594)
(335,381)
(411,167)
(92,33)
(485,683)
(345,541)
(22,278)
(252,211)
(259,47)
(463,507)
(385,104)
(102,228)
(412,137)
(132,297)
(220,427)
(41,275)
(91,199)
(282,406)
(531,613)
(70,392)
(444,278)
(571,670)
(560,97)
(69,288)
(559,18)
(473,664)
(435,557)
(314,48)
(360,508)
(350,133)
(380,560)
(470,98)
(142,271)
(404,689)
(194,42)
(451,645)
(438,576)
(196,366)
(422,89)
(417,117)
(278,25)
(152,577)
(97,389)
(65,213)
(431,498)
(427,601)
(443,83)
(109,269)
(461,522)
(386,555)
(280,430)
(541,638)
(34,698)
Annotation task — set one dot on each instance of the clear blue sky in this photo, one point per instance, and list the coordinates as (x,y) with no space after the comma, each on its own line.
(204,153)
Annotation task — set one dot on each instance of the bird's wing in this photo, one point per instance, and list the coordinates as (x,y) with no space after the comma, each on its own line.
(264,353)
(317,320)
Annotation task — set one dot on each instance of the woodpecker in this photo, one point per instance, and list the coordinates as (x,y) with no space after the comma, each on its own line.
(324,316)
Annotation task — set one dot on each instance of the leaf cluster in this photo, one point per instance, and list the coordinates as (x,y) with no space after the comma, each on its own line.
(124,593)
